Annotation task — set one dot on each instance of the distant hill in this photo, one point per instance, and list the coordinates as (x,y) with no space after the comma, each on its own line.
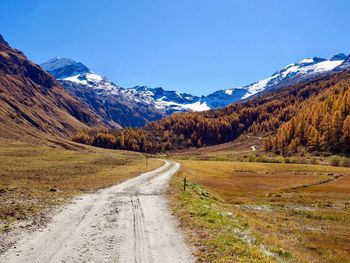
(32,102)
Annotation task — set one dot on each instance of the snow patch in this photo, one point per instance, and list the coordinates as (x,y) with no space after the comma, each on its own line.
(256,87)
(93,77)
(229,92)
(197,106)
(322,66)
(76,79)
(178,94)
(307,60)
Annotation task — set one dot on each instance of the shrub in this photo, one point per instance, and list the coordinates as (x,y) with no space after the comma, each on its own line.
(287,160)
(335,161)
(346,162)
(299,160)
(314,161)
(252,158)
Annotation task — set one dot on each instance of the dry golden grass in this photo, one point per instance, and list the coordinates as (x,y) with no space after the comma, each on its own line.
(34,178)
(283,205)
(226,151)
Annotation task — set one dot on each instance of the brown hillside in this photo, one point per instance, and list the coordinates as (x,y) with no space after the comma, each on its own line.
(321,124)
(32,102)
(259,116)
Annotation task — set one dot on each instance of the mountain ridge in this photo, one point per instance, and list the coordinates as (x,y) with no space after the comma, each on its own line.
(33,102)
(136,106)
(261,116)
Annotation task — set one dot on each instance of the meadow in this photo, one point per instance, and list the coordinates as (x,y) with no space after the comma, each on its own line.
(264,212)
(34,179)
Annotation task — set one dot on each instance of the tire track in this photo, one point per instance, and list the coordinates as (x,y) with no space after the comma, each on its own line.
(129,222)
(140,238)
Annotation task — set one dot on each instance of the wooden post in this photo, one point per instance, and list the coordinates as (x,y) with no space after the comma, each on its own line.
(185,183)
(347,206)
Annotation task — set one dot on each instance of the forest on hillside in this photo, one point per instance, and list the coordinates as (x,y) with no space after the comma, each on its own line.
(312,115)
(322,124)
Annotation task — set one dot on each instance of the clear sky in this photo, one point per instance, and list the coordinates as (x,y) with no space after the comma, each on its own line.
(194,46)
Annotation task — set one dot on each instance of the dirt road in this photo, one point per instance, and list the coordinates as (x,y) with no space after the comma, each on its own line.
(129,222)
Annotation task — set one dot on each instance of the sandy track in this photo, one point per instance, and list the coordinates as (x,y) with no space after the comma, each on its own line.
(129,222)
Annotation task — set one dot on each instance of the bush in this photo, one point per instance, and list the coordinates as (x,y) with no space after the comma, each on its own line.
(299,160)
(314,161)
(252,158)
(346,162)
(287,160)
(335,161)
(264,159)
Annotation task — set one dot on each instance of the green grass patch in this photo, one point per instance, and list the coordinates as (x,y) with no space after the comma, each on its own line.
(219,235)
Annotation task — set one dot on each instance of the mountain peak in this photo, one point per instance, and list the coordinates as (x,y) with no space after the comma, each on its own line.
(3,41)
(306,61)
(64,67)
(339,56)
(141,88)
(57,62)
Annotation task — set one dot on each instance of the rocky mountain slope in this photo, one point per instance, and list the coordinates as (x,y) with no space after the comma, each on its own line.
(141,104)
(303,71)
(32,102)
(116,105)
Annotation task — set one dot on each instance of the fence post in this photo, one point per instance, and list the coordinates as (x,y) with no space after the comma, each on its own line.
(185,183)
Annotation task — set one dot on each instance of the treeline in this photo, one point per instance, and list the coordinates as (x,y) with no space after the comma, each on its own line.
(261,116)
(322,124)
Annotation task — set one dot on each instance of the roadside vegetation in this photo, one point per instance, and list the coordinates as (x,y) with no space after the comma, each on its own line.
(217,234)
(34,179)
(264,212)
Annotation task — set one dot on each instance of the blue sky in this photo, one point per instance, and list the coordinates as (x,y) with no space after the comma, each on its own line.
(191,46)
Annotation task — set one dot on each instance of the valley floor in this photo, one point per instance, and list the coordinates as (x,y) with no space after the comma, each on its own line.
(264,212)
(128,222)
(231,211)
(35,180)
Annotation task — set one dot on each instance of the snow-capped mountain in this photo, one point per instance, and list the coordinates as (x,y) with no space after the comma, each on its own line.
(343,66)
(138,105)
(304,70)
(64,67)
(169,101)
(77,77)
(124,106)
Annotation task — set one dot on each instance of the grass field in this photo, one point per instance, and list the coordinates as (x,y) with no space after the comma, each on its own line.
(265,212)
(250,149)
(36,178)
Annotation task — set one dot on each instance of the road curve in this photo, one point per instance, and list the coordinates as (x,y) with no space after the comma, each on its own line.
(129,222)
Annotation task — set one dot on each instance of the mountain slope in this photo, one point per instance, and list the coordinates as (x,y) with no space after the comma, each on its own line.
(33,102)
(116,105)
(260,116)
(139,105)
(130,107)
(321,124)
(303,71)
(64,67)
